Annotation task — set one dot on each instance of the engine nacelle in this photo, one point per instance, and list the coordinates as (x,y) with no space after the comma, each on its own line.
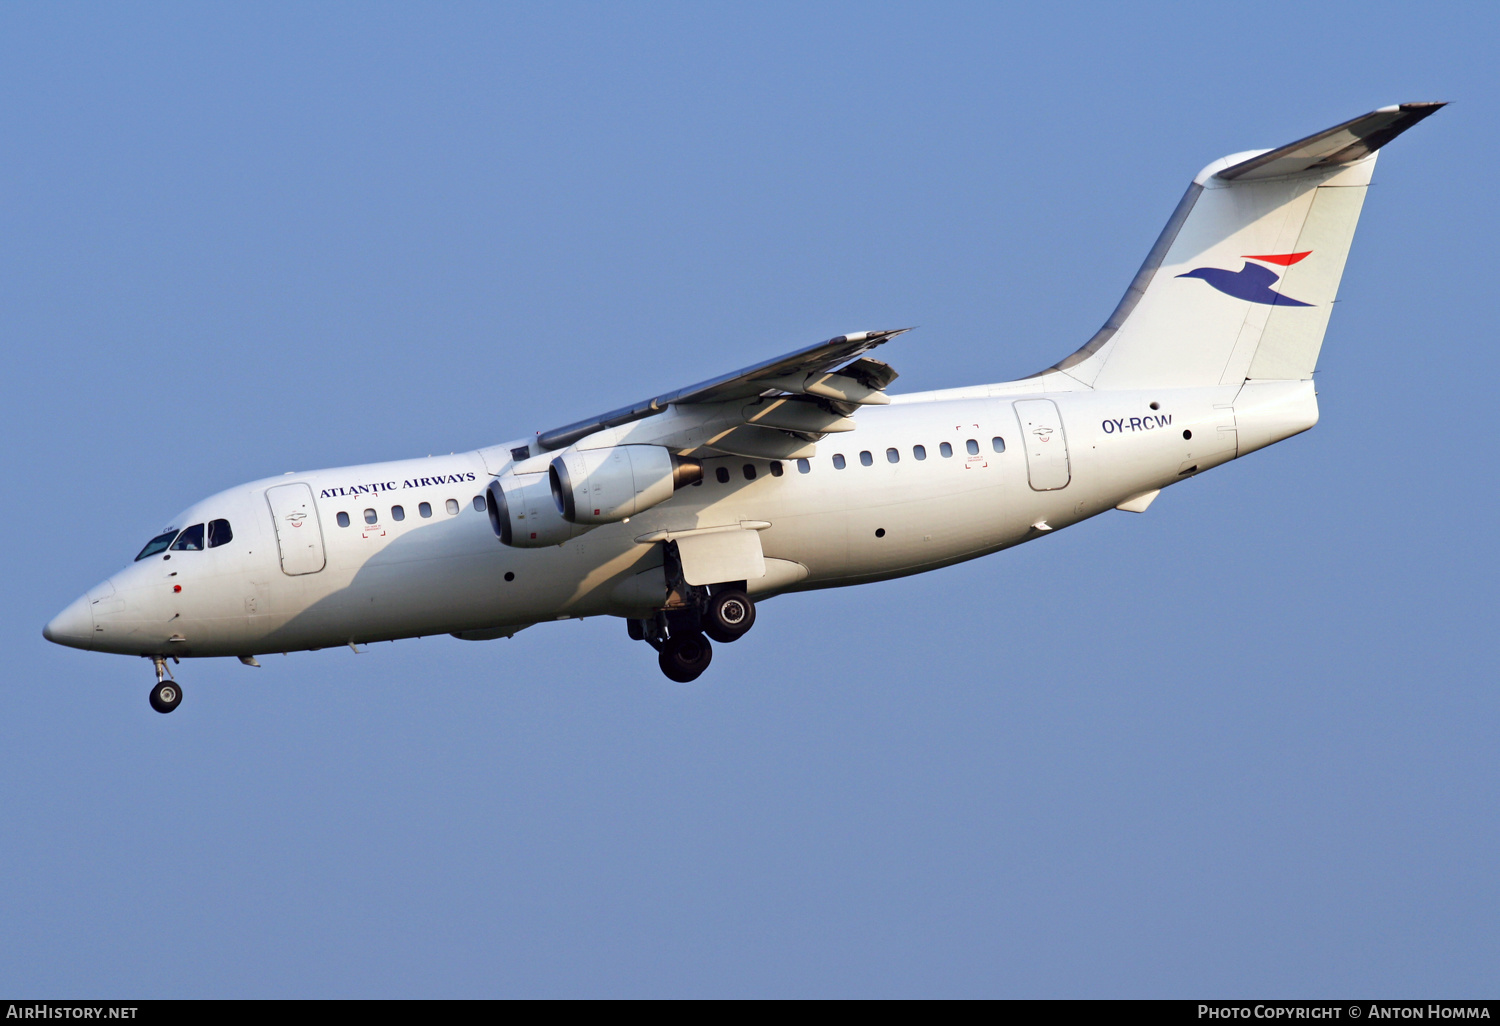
(523,514)
(603,486)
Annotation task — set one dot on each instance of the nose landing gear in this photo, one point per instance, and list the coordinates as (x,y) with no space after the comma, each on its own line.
(167,695)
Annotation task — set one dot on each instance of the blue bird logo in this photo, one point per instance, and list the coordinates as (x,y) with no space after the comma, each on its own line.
(1252,282)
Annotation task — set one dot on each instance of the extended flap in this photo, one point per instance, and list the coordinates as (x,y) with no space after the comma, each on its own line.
(721,556)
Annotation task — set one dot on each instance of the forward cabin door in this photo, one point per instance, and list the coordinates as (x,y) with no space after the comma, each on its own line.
(1046,445)
(298,533)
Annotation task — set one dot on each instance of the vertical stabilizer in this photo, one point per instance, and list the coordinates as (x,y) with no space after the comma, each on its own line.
(1241,282)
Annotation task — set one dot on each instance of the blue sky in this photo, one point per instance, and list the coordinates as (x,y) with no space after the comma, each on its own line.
(1244,744)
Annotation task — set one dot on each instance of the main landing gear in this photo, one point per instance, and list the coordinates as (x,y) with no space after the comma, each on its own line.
(730,614)
(681,634)
(684,657)
(167,695)
(690,614)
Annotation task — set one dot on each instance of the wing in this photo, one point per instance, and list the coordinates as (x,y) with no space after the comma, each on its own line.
(773,410)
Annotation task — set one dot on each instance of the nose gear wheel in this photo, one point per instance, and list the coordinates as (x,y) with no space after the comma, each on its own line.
(167,695)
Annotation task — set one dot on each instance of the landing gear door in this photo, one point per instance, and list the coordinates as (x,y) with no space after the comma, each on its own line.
(1046,445)
(298,534)
(719,556)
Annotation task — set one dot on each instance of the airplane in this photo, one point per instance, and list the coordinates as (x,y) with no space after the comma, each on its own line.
(682,512)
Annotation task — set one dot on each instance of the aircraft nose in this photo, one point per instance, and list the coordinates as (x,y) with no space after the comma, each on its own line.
(74,626)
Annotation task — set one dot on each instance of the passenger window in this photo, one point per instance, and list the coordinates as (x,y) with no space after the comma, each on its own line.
(219,533)
(998,443)
(722,475)
(946,450)
(157,544)
(838,461)
(972,446)
(343,519)
(893,456)
(919,451)
(749,472)
(776,470)
(479,503)
(190,540)
(424,508)
(865,459)
(398,513)
(370,516)
(452,507)
(804,467)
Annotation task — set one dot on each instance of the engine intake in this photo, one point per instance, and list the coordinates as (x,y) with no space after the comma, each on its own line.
(604,486)
(522,512)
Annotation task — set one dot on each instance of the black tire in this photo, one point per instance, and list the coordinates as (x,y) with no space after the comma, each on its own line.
(685,656)
(166,696)
(729,616)
(636,629)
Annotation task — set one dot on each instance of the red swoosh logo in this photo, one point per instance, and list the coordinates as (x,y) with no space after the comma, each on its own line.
(1284,259)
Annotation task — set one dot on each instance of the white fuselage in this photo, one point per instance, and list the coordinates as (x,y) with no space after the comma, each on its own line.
(449,573)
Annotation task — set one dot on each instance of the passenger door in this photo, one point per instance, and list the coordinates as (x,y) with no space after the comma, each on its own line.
(298,534)
(1046,446)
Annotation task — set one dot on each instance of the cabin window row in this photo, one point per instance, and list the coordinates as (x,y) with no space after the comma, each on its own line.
(722,475)
(424,510)
(893,455)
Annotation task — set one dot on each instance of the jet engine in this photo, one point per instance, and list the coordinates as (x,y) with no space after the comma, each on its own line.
(523,514)
(603,486)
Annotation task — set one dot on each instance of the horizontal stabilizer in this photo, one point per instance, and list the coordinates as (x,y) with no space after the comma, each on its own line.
(1341,144)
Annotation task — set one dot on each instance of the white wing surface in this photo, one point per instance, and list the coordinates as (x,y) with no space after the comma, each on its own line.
(772,410)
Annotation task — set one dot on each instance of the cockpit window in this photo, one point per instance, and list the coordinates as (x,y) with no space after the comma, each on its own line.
(157,544)
(190,540)
(219,533)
